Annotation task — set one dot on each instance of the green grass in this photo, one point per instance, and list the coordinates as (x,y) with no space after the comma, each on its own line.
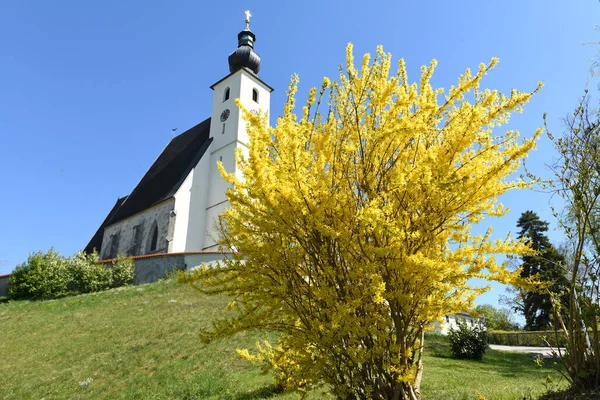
(499,376)
(142,343)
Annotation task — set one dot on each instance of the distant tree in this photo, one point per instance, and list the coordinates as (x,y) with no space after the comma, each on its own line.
(577,181)
(548,263)
(497,319)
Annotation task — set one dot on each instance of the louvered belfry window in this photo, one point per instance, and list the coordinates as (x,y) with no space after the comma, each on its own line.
(226,94)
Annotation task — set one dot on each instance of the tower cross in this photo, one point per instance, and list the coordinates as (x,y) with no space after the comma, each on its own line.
(248,15)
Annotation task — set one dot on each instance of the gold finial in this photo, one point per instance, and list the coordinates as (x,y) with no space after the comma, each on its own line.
(248,15)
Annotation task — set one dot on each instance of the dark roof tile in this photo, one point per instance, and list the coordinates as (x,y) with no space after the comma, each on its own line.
(168,171)
(96,241)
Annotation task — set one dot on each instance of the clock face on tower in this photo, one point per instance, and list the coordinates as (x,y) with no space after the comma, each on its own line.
(225,115)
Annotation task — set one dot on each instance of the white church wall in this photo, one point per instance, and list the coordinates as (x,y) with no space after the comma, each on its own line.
(227,136)
(228,131)
(225,132)
(196,226)
(212,233)
(250,83)
(182,214)
(144,221)
(217,184)
(241,85)
(193,261)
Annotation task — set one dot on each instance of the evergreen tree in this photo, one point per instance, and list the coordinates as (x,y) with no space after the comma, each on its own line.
(548,262)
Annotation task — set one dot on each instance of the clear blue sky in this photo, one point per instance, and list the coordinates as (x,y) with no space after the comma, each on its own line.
(89,91)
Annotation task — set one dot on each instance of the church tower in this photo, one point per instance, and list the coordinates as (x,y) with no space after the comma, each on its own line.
(175,206)
(227,127)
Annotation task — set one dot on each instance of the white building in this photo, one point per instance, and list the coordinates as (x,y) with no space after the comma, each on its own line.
(175,205)
(451,321)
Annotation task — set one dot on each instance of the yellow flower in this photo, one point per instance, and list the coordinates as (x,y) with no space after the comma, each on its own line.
(353,223)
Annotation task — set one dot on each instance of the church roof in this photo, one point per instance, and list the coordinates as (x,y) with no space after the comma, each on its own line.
(163,179)
(96,241)
(168,171)
(249,72)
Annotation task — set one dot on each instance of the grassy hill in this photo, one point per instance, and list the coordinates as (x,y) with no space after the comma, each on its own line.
(142,343)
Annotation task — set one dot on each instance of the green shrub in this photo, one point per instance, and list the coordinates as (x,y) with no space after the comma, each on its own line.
(87,276)
(468,343)
(43,276)
(50,275)
(122,272)
(527,338)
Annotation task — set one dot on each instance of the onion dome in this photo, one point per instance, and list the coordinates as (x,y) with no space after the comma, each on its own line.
(244,55)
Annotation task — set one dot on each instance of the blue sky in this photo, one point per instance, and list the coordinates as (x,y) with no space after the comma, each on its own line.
(90,91)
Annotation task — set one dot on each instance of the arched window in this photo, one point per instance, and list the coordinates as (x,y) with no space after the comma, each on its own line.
(134,250)
(153,244)
(113,250)
(255,95)
(226,94)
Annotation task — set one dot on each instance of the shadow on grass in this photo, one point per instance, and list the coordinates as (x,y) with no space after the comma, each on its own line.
(265,392)
(504,363)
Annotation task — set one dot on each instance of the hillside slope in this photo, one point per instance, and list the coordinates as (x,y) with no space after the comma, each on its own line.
(135,342)
(142,343)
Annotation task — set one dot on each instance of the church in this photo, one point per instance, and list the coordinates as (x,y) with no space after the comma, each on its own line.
(174,207)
